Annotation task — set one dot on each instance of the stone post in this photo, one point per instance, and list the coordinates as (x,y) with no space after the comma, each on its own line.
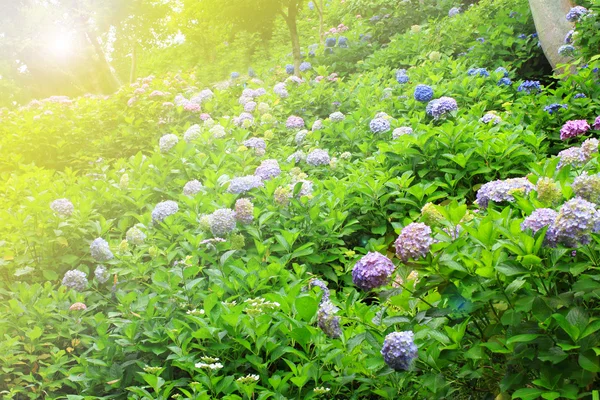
(551,26)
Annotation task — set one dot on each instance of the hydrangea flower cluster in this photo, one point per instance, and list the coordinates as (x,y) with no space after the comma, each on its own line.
(439,107)
(574,222)
(399,350)
(306,188)
(587,187)
(294,122)
(244,211)
(280,90)
(255,143)
(289,69)
(414,241)
(323,286)
(401,76)
(566,50)
(336,117)
(343,42)
(268,169)
(250,106)
(217,131)
(76,280)
(296,157)
(502,190)
(569,37)
(454,11)
(430,214)
(330,42)
(576,13)
(244,184)
(530,87)
(300,136)
(372,271)
(235,75)
(403,130)
(490,117)
(554,107)
(222,221)
(62,207)
(192,187)
(305,66)
(328,321)
(478,72)
(379,125)
(163,209)
(596,124)
(100,250)
(167,142)
(574,128)
(192,133)
(101,274)
(245,120)
(501,70)
(573,156)
(547,191)
(135,236)
(423,93)
(539,219)
(504,82)
(318,157)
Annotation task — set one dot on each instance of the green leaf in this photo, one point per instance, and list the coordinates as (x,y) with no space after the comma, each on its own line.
(527,394)
(306,307)
(589,361)
(527,337)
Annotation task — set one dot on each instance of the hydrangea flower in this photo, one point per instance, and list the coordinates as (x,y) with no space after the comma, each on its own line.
(454,11)
(490,117)
(296,157)
(263,108)
(76,280)
(167,142)
(569,37)
(192,133)
(245,120)
(379,125)
(401,76)
(566,50)
(576,13)
(574,128)
(300,136)
(330,42)
(539,219)
(414,241)
(268,169)
(305,66)
(294,122)
(399,350)
(62,207)
(192,187)
(430,214)
(163,209)
(328,321)
(572,156)
(222,222)
(251,72)
(439,107)
(280,90)
(403,130)
(100,250)
(235,75)
(244,211)
(530,87)
(501,70)
(575,220)
(101,274)
(250,106)
(135,236)
(255,143)
(547,191)
(587,187)
(336,116)
(504,82)
(217,131)
(318,157)
(306,188)
(502,190)
(372,271)
(478,72)
(423,93)
(317,125)
(596,124)
(322,285)
(554,107)
(579,96)
(289,69)
(343,42)
(244,184)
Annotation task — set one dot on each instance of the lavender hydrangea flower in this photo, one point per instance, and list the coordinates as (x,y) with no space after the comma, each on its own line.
(318,157)
(439,107)
(401,76)
(317,125)
(294,122)
(587,187)
(76,280)
(167,142)
(192,187)
(372,271)
(574,128)
(322,285)
(300,136)
(100,250)
(306,187)
(454,11)
(62,207)
(250,106)
(337,116)
(245,120)
(490,117)
(423,93)
(554,107)
(268,169)
(222,222)
(575,220)
(502,190)
(101,274)
(289,69)
(504,82)
(163,209)
(135,236)
(280,90)
(305,66)
(328,321)
(566,50)
(399,350)
(539,219)
(244,211)
(569,37)
(255,143)
(244,184)
(296,157)
(572,156)
(576,13)
(192,133)
(414,241)
(401,131)
(379,125)
(530,87)
(596,124)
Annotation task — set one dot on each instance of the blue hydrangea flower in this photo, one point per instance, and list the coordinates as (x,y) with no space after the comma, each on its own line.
(100,250)
(579,96)
(311,5)
(522,36)
(235,75)
(76,280)
(566,50)
(222,222)
(576,13)
(399,350)
(554,107)
(101,274)
(575,221)
(454,11)
(569,37)
(401,131)
(539,219)
(423,93)
(330,42)
(289,69)
(379,125)
(401,76)
(62,207)
(163,209)
(372,271)
(504,82)
(318,157)
(305,66)
(480,40)
(439,107)
(255,143)
(478,72)
(530,87)
(343,42)
(490,117)
(501,70)
(414,241)
(251,72)
(244,184)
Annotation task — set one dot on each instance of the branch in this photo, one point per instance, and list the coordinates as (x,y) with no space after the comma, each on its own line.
(283,14)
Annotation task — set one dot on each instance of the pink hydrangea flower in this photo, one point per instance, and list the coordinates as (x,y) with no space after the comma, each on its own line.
(574,128)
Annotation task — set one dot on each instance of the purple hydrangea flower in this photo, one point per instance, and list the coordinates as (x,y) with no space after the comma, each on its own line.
(280,90)
(572,156)
(574,128)
(554,107)
(318,157)
(289,69)
(294,122)
(423,93)
(372,271)
(76,280)
(64,207)
(163,209)
(414,241)
(502,190)
(268,169)
(244,211)
(490,117)
(336,117)
(596,124)
(322,285)
(454,11)
(539,219)
(328,321)
(576,13)
(222,221)
(255,143)
(379,125)
(100,250)
(530,87)
(399,350)
(579,96)
(192,187)
(439,107)
(244,184)
(305,66)
(574,222)
(250,106)
(569,37)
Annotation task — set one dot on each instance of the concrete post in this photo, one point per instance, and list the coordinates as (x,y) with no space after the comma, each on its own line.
(551,26)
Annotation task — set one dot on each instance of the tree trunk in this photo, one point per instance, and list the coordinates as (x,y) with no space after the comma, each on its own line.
(320,11)
(114,80)
(291,23)
(133,63)
(551,26)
